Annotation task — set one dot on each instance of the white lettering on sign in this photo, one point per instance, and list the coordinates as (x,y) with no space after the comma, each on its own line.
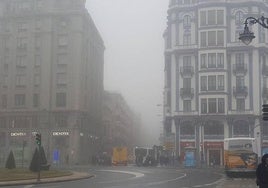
(18,134)
(60,133)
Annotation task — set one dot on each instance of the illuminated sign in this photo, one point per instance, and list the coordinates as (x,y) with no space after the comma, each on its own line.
(18,134)
(60,133)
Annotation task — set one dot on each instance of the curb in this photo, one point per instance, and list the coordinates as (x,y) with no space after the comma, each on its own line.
(73,177)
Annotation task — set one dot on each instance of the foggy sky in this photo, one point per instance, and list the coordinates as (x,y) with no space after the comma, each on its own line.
(134,57)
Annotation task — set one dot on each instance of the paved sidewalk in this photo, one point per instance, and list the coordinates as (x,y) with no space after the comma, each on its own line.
(74,176)
(237,183)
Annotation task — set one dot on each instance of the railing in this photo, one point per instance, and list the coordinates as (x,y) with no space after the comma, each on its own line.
(241,91)
(187,93)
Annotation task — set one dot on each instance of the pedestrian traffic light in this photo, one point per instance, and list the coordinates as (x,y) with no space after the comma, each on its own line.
(38,139)
(265,112)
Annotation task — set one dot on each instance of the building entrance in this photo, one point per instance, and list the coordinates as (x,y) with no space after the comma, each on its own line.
(214,157)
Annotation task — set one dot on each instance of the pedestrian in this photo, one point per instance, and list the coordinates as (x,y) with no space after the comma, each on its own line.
(262,172)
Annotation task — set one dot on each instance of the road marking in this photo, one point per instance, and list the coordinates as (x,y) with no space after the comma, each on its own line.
(28,186)
(166,181)
(136,174)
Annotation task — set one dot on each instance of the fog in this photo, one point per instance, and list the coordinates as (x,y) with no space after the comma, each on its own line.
(134,57)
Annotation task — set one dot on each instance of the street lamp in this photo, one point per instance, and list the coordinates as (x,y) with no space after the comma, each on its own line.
(247,36)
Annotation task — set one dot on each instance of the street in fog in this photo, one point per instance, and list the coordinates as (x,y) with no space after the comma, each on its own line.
(155,177)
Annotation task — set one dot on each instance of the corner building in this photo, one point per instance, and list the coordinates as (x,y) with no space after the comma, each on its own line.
(214,84)
(51,79)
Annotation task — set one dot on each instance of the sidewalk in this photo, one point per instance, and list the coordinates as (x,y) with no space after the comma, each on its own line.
(74,176)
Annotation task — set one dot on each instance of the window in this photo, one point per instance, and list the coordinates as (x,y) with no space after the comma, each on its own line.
(37,42)
(187,39)
(239,59)
(220,60)
(62,40)
(62,59)
(203,106)
(37,79)
(203,19)
(212,83)
(221,82)
(221,105)
(22,27)
(186,61)
(61,100)
(212,106)
(203,83)
(211,60)
(213,128)
(211,38)
(20,80)
(61,79)
(220,17)
(5,82)
(211,17)
(4,101)
(220,38)
(203,42)
(36,100)
(203,60)
(240,82)
(22,42)
(186,82)
(21,60)
(37,60)
(241,129)
(240,104)
(187,106)
(187,21)
(19,100)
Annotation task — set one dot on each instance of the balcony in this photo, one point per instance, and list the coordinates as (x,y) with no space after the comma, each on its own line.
(240,69)
(240,91)
(187,71)
(265,93)
(187,93)
(264,70)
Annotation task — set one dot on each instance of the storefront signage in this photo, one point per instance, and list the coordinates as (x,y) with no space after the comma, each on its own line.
(60,133)
(18,134)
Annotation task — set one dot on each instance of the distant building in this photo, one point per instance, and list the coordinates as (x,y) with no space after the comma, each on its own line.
(121,126)
(51,79)
(214,84)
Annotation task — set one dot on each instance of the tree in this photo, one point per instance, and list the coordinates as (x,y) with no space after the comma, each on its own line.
(34,166)
(10,163)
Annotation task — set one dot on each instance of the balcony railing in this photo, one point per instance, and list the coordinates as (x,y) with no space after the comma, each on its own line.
(240,69)
(265,93)
(187,71)
(241,91)
(187,93)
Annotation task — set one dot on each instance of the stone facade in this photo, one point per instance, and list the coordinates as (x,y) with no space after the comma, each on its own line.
(51,79)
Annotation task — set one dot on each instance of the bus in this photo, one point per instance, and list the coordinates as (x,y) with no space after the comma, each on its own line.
(146,156)
(240,156)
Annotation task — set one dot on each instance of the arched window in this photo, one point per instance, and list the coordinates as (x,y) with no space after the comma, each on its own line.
(186,21)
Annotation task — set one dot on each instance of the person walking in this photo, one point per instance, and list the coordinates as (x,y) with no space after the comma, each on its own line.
(262,172)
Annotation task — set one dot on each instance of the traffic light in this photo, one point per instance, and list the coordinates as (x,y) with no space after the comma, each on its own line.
(38,139)
(265,112)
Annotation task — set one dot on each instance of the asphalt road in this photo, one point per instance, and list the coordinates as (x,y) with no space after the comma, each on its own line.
(150,177)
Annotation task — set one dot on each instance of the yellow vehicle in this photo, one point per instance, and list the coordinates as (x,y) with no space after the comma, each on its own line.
(120,156)
(240,156)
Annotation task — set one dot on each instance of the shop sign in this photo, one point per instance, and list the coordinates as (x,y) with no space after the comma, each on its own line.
(60,133)
(18,134)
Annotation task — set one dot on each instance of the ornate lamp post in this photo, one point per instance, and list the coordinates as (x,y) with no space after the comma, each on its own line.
(247,36)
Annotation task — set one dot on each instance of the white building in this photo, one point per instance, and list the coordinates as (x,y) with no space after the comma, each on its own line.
(214,84)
